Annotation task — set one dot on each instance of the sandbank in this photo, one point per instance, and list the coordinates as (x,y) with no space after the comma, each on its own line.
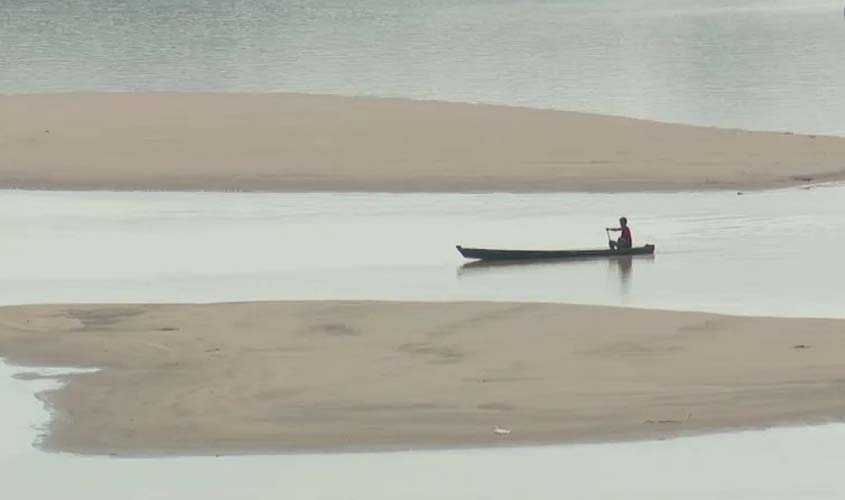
(292,376)
(290,142)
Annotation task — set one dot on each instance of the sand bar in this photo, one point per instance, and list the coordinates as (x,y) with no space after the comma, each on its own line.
(270,377)
(288,142)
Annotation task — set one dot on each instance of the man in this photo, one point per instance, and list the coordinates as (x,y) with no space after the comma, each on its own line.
(625,240)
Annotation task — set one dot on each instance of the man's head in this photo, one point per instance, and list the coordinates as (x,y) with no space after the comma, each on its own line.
(623,221)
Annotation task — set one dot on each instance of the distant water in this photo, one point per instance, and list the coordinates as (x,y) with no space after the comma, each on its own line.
(773,253)
(773,64)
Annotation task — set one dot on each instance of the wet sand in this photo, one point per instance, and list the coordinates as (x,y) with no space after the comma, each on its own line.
(288,376)
(286,142)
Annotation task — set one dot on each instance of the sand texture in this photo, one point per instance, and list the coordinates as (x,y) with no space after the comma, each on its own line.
(288,376)
(285,142)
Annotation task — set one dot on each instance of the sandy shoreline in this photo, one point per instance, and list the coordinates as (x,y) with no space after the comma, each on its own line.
(287,142)
(289,376)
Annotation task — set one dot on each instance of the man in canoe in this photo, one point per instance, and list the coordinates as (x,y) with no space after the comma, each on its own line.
(625,240)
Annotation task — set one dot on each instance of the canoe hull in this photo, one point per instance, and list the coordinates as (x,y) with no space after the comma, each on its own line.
(493,254)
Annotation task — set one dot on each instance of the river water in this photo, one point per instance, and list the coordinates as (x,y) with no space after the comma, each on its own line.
(756,64)
(775,253)
(770,252)
(767,65)
(778,464)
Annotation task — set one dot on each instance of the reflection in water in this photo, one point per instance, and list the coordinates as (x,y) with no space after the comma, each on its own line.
(190,247)
(622,266)
(623,263)
(488,265)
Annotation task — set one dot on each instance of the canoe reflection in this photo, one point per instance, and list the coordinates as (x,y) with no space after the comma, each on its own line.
(623,263)
(621,266)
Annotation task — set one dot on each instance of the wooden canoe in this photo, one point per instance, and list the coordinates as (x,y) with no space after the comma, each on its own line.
(492,254)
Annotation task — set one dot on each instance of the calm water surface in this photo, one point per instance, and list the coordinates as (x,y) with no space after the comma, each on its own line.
(779,464)
(773,253)
(773,64)
(770,65)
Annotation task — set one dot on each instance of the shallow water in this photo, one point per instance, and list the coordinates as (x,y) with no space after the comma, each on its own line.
(772,65)
(773,253)
(786,464)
